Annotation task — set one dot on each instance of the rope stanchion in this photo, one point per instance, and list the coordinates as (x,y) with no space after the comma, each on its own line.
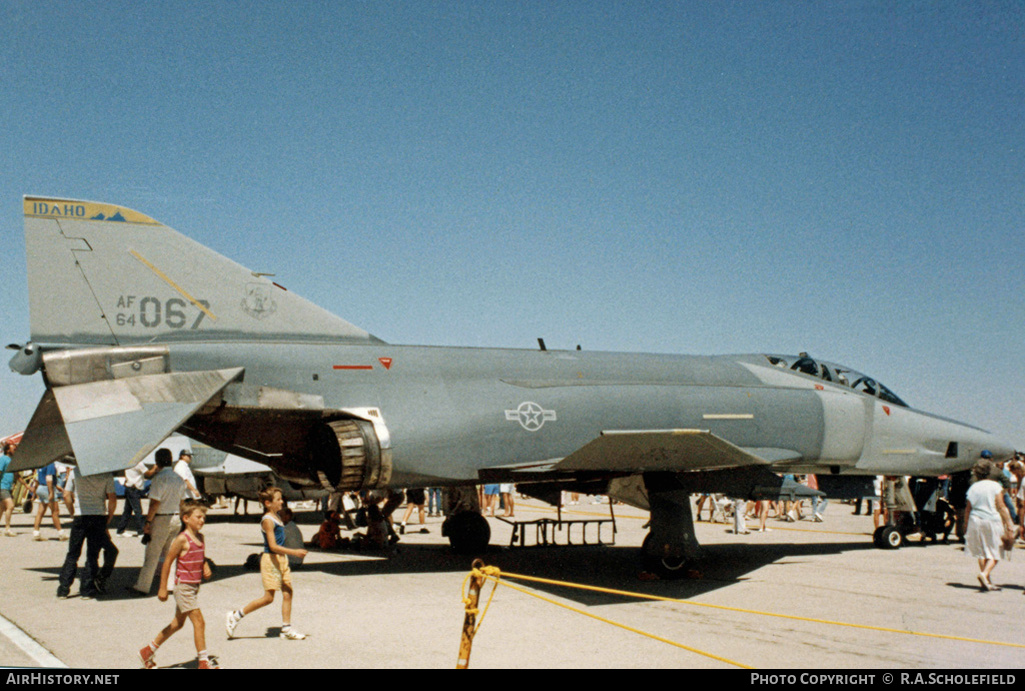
(471,601)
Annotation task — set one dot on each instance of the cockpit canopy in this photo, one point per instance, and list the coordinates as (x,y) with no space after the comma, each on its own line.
(838,374)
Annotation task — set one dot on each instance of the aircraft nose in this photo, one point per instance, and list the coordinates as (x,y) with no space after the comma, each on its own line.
(1001,450)
(975,442)
(909,442)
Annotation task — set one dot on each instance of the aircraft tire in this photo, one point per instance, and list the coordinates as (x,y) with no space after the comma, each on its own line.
(890,538)
(666,568)
(468,532)
(877,537)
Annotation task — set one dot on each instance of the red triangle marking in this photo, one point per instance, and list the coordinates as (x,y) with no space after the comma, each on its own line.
(386,361)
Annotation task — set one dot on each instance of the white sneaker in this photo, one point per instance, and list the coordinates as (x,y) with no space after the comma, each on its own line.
(210,662)
(37,537)
(62,536)
(291,634)
(230,624)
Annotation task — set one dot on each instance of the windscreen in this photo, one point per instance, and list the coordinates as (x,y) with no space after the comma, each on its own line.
(839,374)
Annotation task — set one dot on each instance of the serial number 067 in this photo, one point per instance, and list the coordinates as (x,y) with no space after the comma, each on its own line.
(151,312)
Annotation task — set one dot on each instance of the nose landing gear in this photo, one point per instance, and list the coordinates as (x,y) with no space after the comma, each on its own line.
(888,537)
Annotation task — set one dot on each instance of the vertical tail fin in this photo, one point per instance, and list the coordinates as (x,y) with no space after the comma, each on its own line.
(102,274)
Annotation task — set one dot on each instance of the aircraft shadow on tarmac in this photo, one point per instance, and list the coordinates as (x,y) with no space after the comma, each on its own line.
(617,568)
(610,567)
(614,568)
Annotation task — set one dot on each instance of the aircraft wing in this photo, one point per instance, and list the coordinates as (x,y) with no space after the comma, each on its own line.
(640,451)
(715,464)
(112,424)
(653,450)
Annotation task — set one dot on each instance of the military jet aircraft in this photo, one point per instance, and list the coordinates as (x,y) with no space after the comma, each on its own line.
(140,331)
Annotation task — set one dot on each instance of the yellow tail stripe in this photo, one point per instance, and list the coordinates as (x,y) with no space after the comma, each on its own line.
(160,274)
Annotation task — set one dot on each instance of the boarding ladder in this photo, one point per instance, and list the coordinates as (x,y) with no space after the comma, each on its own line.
(549,532)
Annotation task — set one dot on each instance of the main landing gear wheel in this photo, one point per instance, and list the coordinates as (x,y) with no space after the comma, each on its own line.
(468,532)
(887,537)
(666,568)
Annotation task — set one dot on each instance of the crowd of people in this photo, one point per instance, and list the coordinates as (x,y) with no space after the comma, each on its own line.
(170,528)
(373,510)
(984,507)
(722,508)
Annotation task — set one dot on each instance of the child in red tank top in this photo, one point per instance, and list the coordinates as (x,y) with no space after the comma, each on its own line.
(189,550)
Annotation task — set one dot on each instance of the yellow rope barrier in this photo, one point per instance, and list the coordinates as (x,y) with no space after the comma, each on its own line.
(643,596)
(494,574)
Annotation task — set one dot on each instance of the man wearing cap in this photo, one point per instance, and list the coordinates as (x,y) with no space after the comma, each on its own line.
(185,473)
(166,492)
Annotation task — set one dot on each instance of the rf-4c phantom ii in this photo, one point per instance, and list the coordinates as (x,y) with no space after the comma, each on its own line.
(140,331)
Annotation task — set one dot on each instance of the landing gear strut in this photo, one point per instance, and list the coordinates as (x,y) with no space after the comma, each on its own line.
(466,529)
(899,504)
(467,532)
(670,549)
(666,568)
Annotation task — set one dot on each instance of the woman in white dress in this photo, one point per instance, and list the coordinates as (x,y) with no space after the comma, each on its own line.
(989,521)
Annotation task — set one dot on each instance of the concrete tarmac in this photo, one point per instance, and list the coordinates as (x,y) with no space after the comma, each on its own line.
(405,610)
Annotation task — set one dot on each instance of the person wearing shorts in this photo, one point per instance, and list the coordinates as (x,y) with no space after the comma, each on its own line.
(6,488)
(47,491)
(274,570)
(189,551)
(415,499)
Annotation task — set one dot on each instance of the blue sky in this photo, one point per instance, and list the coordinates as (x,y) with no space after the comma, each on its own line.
(845,179)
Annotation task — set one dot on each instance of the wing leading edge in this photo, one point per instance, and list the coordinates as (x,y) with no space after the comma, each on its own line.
(641,451)
(657,450)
